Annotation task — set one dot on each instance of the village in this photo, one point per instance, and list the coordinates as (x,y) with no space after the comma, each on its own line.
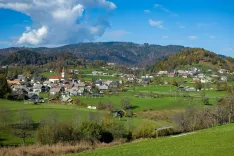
(60,89)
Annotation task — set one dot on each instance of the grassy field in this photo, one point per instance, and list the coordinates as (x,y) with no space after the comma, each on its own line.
(74,112)
(67,113)
(48,74)
(91,77)
(218,141)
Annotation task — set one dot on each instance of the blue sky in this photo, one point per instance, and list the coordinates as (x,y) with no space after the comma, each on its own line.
(202,23)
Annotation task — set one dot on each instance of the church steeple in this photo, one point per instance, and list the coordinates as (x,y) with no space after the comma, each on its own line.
(63,73)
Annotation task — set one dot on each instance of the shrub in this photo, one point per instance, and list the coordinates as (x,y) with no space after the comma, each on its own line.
(45,135)
(146,130)
(90,131)
(125,104)
(129,113)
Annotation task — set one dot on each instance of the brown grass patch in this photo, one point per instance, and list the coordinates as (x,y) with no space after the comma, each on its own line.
(54,150)
(159,115)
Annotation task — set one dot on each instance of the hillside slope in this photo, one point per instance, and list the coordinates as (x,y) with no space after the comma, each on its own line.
(118,52)
(30,57)
(194,57)
(218,141)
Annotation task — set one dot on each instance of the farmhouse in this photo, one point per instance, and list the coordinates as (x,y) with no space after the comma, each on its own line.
(223,71)
(54,91)
(56,79)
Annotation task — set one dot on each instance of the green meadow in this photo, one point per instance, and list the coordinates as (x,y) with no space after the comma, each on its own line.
(169,99)
(218,141)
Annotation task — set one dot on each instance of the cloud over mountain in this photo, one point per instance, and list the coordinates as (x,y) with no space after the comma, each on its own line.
(61,21)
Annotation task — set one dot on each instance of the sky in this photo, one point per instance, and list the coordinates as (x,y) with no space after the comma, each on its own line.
(206,24)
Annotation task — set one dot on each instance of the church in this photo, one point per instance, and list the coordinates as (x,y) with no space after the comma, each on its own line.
(58,77)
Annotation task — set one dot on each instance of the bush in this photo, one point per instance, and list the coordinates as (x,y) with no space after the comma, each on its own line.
(105,106)
(129,113)
(146,130)
(125,104)
(117,130)
(45,135)
(206,101)
(90,131)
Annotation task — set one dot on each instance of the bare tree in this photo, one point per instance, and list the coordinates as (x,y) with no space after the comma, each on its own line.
(5,116)
(23,129)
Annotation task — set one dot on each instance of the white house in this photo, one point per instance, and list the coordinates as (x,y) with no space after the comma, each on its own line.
(223,78)
(223,71)
(56,78)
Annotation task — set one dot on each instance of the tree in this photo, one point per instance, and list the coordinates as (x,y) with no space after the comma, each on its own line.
(5,116)
(198,85)
(23,129)
(125,104)
(91,131)
(4,88)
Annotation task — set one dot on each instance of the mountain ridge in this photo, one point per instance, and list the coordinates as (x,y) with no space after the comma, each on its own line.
(124,53)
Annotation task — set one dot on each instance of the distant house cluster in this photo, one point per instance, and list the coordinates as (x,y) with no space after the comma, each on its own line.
(58,86)
(197,74)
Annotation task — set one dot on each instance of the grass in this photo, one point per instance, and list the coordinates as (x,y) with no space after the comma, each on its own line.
(210,142)
(67,113)
(91,77)
(48,74)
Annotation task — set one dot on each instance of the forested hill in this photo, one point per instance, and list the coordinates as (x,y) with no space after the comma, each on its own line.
(195,57)
(29,57)
(118,52)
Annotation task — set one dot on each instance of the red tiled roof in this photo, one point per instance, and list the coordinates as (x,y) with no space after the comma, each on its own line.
(56,77)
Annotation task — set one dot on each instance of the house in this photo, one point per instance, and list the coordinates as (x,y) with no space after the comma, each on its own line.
(38,88)
(14,82)
(160,73)
(205,80)
(196,79)
(67,99)
(36,99)
(171,73)
(215,76)
(54,91)
(98,83)
(103,87)
(56,78)
(76,72)
(111,64)
(114,84)
(81,85)
(97,73)
(223,78)
(21,78)
(201,76)
(223,71)
(181,72)
(73,91)
(5,67)
(187,89)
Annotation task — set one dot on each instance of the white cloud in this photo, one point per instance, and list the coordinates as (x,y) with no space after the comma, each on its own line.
(212,37)
(61,21)
(158,24)
(147,11)
(33,36)
(165,9)
(164,37)
(182,27)
(192,37)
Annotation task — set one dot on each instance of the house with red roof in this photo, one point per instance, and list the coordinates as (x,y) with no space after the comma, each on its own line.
(56,78)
